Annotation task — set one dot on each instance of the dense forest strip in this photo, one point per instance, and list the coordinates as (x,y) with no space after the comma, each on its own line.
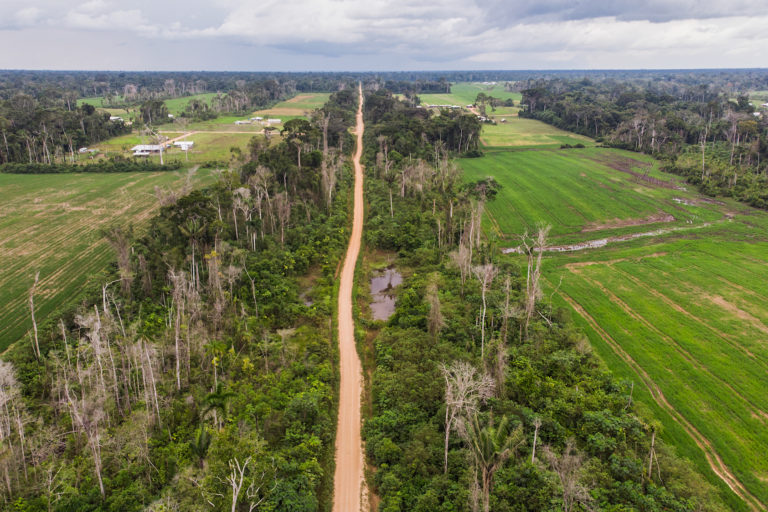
(349,455)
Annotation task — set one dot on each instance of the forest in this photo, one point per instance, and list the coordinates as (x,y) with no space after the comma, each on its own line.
(484,397)
(200,372)
(712,135)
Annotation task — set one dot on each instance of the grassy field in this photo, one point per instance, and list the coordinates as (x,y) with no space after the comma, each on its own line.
(51,223)
(674,297)
(465,93)
(298,106)
(177,105)
(520,132)
(580,192)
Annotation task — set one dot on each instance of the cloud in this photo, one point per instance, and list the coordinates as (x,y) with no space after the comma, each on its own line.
(449,33)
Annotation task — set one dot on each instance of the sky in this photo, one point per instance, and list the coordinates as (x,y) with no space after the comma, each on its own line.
(379,35)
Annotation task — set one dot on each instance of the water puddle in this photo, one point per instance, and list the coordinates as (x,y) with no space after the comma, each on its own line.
(383,284)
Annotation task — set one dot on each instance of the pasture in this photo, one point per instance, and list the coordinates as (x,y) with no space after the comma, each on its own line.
(685,318)
(520,132)
(51,224)
(298,106)
(582,193)
(465,93)
(672,295)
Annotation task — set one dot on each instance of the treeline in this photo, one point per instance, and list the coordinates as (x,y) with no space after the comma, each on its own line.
(199,374)
(700,132)
(33,133)
(404,134)
(101,166)
(483,396)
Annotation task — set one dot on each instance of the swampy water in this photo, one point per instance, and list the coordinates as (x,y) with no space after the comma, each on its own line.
(383,284)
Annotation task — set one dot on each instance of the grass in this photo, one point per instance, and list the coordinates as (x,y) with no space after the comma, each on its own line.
(576,190)
(682,314)
(177,105)
(521,132)
(465,93)
(298,106)
(51,224)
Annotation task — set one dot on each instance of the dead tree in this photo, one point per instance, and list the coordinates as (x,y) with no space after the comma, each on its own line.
(36,346)
(465,389)
(120,240)
(534,250)
(568,469)
(485,274)
(536,426)
(461,257)
(435,319)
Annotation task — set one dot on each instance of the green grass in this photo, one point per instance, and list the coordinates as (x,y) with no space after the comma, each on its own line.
(298,106)
(521,132)
(684,311)
(575,189)
(51,224)
(177,105)
(465,93)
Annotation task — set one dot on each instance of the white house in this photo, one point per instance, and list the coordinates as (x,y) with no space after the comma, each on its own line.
(146,149)
(184,145)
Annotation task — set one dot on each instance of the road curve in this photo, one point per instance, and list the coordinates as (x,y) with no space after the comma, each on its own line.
(348,478)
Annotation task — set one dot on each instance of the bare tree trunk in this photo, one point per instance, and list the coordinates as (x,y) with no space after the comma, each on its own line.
(32,311)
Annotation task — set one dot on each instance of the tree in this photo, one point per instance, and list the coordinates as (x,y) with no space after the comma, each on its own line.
(490,447)
(464,390)
(485,274)
(568,469)
(534,250)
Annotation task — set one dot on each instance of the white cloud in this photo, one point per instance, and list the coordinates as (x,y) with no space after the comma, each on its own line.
(449,33)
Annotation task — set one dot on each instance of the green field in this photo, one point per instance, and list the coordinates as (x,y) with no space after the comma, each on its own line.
(520,132)
(674,297)
(298,106)
(51,223)
(579,193)
(177,105)
(465,93)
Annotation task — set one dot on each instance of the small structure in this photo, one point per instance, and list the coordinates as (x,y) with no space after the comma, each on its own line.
(273,121)
(146,149)
(257,118)
(115,118)
(82,150)
(184,145)
(242,121)
(170,116)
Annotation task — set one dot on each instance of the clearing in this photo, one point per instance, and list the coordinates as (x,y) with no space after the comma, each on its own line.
(675,301)
(51,222)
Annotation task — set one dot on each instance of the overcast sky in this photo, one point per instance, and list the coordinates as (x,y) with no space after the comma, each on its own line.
(329,35)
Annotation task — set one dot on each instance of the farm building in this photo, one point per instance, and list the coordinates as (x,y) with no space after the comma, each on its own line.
(146,149)
(273,121)
(184,145)
(239,121)
(257,118)
(115,118)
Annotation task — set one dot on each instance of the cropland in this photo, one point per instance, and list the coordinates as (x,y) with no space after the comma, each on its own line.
(668,286)
(52,224)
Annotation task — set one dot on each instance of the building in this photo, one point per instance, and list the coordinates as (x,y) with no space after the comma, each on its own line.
(273,121)
(116,118)
(184,145)
(243,121)
(146,149)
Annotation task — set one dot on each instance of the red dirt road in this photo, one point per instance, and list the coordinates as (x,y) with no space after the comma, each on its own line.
(348,480)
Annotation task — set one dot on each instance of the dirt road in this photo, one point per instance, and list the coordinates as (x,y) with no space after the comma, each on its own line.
(348,479)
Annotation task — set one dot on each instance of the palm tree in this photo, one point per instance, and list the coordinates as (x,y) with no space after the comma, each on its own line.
(218,402)
(200,444)
(491,446)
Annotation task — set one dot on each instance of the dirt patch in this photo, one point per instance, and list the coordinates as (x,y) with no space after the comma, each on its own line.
(737,312)
(626,165)
(625,223)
